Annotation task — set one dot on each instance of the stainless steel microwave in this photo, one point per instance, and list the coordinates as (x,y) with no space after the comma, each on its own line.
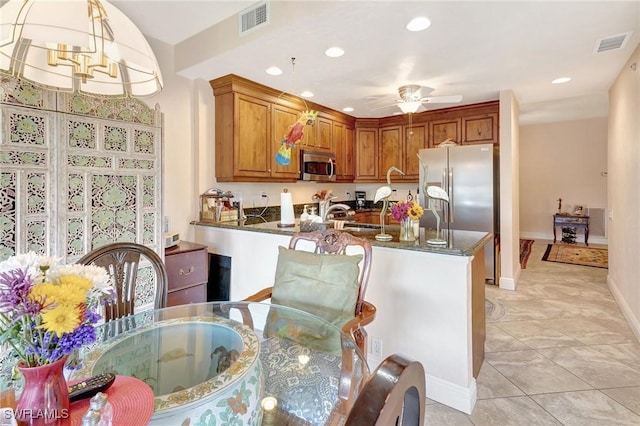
(317,166)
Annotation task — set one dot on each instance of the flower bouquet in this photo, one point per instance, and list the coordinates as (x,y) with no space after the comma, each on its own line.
(48,310)
(406,213)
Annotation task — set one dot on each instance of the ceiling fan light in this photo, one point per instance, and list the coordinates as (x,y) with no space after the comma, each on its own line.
(409,107)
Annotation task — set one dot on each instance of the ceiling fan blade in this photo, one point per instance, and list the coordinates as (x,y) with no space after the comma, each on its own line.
(442,99)
(383,106)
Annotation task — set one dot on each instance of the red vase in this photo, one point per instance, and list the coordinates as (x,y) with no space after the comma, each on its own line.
(45,396)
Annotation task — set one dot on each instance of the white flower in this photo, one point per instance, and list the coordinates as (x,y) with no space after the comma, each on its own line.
(30,261)
(99,277)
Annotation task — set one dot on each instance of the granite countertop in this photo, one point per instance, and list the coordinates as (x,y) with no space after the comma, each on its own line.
(459,243)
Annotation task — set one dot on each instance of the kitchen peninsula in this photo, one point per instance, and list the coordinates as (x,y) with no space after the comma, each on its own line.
(429,300)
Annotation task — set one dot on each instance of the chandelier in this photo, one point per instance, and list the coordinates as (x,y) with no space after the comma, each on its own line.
(87,46)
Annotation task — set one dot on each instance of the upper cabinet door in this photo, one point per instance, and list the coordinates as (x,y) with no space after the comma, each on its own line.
(478,129)
(441,130)
(283,119)
(252,137)
(366,152)
(391,150)
(325,134)
(415,139)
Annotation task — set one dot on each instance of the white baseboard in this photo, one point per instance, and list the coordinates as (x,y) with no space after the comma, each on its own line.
(549,237)
(634,323)
(454,396)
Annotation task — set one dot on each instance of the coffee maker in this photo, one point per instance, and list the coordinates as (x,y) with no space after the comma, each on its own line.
(361,198)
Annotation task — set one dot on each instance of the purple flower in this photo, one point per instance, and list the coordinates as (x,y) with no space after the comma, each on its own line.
(14,289)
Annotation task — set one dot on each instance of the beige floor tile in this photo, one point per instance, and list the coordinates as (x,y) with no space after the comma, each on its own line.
(537,334)
(629,397)
(441,415)
(558,351)
(594,366)
(492,384)
(498,340)
(516,411)
(586,408)
(533,373)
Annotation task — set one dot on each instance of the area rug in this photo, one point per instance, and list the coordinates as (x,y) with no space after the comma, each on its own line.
(525,252)
(577,255)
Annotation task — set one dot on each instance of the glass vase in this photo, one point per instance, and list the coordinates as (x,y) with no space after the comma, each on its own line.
(406,230)
(45,396)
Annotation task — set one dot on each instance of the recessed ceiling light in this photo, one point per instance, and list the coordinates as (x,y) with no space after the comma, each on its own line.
(334,52)
(347,109)
(561,80)
(306,94)
(419,23)
(274,71)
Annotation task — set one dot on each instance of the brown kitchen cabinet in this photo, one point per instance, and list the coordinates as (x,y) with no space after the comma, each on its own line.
(366,154)
(441,130)
(283,118)
(343,147)
(188,270)
(480,129)
(399,146)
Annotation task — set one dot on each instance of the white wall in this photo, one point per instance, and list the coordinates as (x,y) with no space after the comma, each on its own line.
(509,191)
(561,160)
(624,190)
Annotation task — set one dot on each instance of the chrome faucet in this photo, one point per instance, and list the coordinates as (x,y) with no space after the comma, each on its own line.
(326,207)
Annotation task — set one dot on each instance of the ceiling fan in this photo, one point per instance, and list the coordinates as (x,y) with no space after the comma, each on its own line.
(411,98)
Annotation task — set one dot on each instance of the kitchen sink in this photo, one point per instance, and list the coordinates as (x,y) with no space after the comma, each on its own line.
(361,227)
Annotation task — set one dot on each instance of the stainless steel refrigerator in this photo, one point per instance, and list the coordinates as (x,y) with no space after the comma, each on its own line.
(469,175)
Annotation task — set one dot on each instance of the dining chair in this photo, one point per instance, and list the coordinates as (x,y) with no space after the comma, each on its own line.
(326,281)
(122,261)
(393,395)
(316,275)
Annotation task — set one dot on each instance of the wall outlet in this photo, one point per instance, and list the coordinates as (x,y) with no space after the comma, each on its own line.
(263,194)
(376,347)
(165,224)
(347,194)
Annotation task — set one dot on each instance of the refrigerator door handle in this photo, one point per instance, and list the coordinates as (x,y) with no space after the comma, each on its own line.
(443,207)
(450,192)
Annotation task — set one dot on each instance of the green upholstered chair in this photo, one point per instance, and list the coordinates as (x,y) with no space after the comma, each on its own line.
(315,274)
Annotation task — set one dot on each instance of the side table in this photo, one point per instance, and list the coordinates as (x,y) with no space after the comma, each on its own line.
(188,270)
(571,221)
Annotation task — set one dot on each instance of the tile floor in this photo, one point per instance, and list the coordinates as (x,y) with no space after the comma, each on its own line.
(558,352)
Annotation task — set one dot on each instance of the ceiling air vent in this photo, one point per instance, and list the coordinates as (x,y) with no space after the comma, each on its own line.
(254,17)
(612,43)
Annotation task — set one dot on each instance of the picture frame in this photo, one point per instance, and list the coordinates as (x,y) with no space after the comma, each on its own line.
(578,209)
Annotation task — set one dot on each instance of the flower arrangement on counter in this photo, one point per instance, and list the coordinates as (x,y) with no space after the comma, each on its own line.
(47,309)
(406,210)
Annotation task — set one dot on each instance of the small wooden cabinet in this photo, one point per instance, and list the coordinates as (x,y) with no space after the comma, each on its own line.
(188,270)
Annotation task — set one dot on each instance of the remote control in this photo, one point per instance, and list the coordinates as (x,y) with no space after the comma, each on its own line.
(91,386)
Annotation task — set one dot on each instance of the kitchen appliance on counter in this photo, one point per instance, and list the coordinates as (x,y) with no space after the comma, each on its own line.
(361,199)
(215,206)
(317,166)
(469,175)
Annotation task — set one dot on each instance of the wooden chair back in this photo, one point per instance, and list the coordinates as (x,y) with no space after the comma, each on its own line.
(122,261)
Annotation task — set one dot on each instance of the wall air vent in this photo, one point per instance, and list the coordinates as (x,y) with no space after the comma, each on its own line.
(596,221)
(254,17)
(612,43)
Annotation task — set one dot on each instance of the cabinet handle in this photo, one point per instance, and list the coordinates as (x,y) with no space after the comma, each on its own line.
(188,271)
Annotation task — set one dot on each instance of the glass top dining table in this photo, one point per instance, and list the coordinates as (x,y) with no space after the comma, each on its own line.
(234,363)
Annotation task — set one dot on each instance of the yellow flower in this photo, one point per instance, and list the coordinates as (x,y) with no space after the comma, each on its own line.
(61,319)
(415,211)
(45,294)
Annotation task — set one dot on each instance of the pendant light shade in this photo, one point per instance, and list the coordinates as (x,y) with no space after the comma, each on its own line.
(77,45)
